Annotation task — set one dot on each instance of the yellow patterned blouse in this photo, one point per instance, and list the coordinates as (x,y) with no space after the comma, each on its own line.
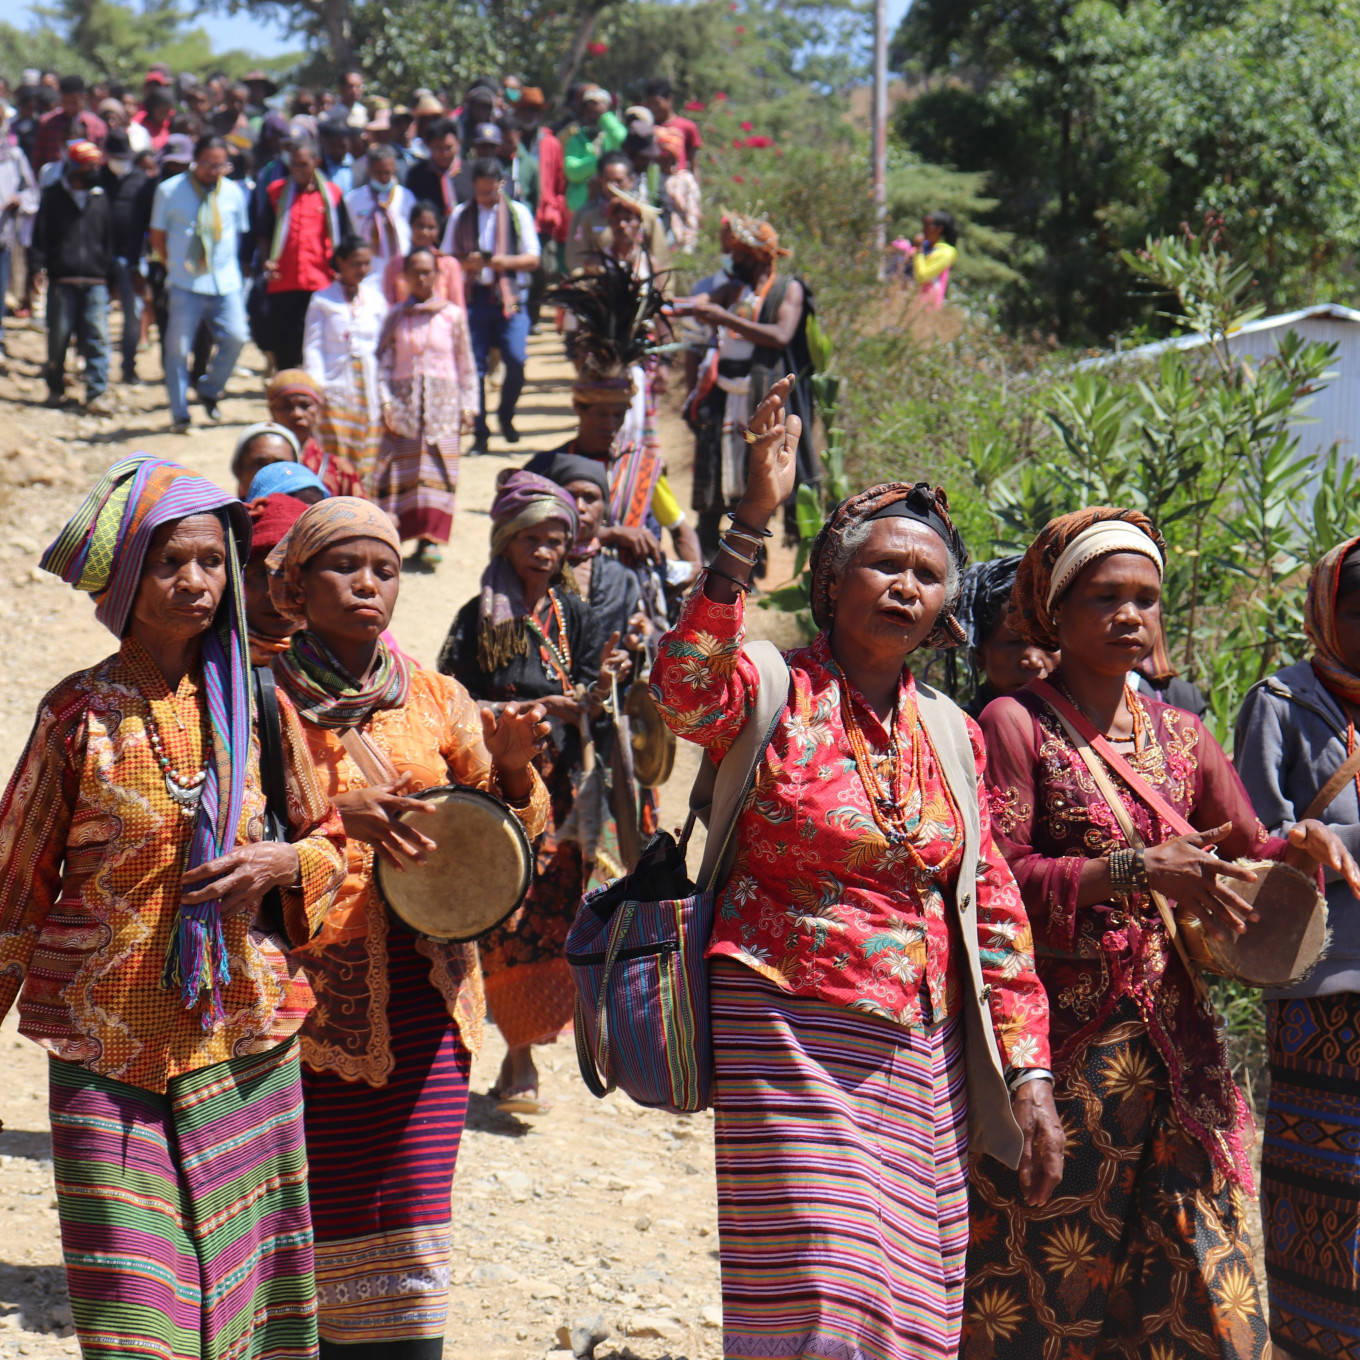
(91,851)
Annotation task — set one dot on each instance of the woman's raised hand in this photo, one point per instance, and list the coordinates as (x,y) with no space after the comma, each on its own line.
(772,461)
(513,737)
(1184,870)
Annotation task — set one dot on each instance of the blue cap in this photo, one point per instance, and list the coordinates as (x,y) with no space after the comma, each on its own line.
(285,478)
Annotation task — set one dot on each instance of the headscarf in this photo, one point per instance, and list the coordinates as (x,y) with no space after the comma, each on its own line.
(254,431)
(754,235)
(1064,548)
(285,479)
(273,516)
(83,154)
(323,691)
(289,381)
(1319,622)
(916,501)
(523,499)
(102,550)
(986,596)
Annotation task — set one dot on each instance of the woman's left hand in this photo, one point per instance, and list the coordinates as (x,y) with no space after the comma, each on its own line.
(515,735)
(243,876)
(1312,843)
(1041,1163)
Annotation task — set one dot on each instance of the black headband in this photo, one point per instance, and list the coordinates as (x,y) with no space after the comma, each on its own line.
(919,505)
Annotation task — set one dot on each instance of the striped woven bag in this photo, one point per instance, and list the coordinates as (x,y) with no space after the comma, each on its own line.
(637,946)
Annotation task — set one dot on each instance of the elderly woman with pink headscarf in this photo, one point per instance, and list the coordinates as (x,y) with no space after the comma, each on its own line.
(528,635)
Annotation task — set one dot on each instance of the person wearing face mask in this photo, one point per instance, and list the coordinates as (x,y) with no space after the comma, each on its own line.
(197,224)
(759,323)
(73,244)
(380,209)
(127,190)
(18,203)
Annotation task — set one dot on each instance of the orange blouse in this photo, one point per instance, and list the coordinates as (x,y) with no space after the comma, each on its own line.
(91,851)
(436,735)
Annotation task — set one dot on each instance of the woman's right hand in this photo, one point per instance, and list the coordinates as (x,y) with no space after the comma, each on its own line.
(772,459)
(372,815)
(1183,869)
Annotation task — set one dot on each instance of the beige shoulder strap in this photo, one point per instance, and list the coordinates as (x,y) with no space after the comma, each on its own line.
(948,732)
(719,792)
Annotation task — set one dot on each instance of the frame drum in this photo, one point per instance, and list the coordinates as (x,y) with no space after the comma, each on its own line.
(1280,948)
(477,875)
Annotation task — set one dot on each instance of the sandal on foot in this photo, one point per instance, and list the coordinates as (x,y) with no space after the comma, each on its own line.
(519,1100)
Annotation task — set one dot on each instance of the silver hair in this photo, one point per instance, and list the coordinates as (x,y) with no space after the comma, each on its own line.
(855,538)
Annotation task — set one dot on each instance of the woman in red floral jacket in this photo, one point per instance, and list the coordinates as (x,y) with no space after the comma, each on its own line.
(869,924)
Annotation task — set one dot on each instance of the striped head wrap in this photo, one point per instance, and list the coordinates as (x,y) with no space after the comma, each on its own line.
(523,499)
(289,381)
(101,550)
(323,691)
(1319,622)
(917,501)
(1065,547)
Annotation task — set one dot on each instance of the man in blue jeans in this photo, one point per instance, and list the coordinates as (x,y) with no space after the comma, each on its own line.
(494,238)
(73,245)
(198,222)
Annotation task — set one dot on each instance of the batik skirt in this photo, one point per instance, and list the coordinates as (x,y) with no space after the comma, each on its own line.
(184,1219)
(416,483)
(382,1163)
(1310,1175)
(841,1144)
(348,428)
(1143,1251)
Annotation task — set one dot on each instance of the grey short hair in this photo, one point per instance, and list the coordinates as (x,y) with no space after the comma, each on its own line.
(843,552)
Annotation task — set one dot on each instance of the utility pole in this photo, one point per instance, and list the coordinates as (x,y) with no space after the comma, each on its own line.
(880,118)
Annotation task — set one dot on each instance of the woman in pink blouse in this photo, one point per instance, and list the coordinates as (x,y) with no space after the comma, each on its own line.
(427,383)
(873,985)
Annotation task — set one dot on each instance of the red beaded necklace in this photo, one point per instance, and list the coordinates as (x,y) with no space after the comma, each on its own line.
(556,657)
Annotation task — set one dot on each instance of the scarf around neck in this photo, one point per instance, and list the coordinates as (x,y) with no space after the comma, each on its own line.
(207,224)
(1319,622)
(326,694)
(284,215)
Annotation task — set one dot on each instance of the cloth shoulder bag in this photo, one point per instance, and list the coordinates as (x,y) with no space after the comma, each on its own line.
(637,947)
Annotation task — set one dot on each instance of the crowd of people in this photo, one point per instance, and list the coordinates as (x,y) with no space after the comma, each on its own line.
(971,1092)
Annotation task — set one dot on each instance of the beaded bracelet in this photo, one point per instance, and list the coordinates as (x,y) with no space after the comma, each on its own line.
(733,552)
(1128,870)
(750,529)
(727,576)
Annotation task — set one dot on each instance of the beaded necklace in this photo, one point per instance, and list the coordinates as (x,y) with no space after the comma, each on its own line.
(888,794)
(184,789)
(556,659)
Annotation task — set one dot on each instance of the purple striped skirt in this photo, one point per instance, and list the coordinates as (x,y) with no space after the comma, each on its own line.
(184,1216)
(842,1177)
(382,1161)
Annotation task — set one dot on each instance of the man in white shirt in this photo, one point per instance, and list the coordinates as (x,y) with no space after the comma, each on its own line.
(494,239)
(380,209)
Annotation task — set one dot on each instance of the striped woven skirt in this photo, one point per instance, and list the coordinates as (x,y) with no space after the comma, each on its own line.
(1310,1175)
(416,483)
(842,1182)
(382,1160)
(184,1219)
(347,429)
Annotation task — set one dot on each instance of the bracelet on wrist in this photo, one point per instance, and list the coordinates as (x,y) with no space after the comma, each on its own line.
(1128,869)
(736,552)
(1026,1075)
(743,586)
(738,523)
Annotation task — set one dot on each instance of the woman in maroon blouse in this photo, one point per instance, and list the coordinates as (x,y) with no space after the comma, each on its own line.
(1144,1252)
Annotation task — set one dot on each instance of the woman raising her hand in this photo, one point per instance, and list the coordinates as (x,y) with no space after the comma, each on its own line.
(876,1015)
(388,1048)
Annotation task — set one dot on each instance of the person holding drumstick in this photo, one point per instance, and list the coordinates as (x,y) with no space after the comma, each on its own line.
(1144,1251)
(529,635)
(387,1050)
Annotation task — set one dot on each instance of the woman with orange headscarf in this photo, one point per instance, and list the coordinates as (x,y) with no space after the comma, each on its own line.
(1145,1250)
(1297,729)
(388,1047)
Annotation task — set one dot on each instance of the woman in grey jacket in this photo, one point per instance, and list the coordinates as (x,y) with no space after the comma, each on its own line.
(1295,730)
